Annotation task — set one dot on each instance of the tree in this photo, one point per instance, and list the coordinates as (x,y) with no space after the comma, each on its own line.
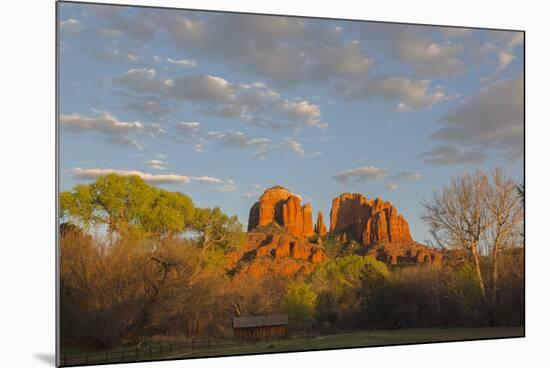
(458,217)
(214,229)
(474,211)
(124,203)
(506,211)
(339,283)
(299,302)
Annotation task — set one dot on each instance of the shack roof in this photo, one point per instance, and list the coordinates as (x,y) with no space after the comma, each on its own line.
(259,321)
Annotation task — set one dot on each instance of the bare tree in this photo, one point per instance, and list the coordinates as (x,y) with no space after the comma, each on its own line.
(506,211)
(458,217)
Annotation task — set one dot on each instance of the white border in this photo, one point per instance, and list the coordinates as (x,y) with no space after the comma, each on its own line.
(27,182)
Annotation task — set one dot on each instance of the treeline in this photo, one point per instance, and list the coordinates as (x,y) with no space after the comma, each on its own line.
(354,292)
(138,261)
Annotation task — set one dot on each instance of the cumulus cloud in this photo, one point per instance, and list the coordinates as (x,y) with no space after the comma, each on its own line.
(156,164)
(71,25)
(407,175)
(505,58)
(431,59)
(352,176)
(406,94)
(253,103)
(237,139)
(109,126)
(391,186)
(91,174)
(151,107)
(114,21)
(187,128)
(182,62)
(451,155)
(207,180)
(492,119)
(293,145)
(285,50)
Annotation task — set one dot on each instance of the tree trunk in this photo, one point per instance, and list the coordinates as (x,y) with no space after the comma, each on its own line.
(477,266)
(494,279)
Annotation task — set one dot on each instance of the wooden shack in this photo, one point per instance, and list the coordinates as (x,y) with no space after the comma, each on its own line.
(260,327)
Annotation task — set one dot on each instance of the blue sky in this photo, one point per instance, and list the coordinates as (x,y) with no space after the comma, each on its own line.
(221,106)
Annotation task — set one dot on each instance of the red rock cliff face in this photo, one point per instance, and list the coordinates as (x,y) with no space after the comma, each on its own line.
(279,205)
(368,221)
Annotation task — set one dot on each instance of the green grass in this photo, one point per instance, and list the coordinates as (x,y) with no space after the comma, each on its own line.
(344,340)
(361,339)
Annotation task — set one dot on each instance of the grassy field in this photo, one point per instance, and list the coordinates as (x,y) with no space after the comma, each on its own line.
(360,339)
(344,340)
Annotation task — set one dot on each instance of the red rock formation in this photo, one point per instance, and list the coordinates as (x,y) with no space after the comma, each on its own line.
(281,254)
(368,221)
(320,228)
(279,205)
(271,205)
(307,218)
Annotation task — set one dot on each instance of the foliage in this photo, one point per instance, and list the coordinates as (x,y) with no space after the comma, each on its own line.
(339,283)
(125,203)
(299,302)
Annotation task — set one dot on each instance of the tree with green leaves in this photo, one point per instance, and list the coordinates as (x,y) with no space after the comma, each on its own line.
(215,229)
(299,302)
(124,203)
(339,281)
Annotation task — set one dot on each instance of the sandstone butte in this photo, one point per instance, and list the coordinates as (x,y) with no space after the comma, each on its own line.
(378,227)
(368,221)
(279,205)
(375,224)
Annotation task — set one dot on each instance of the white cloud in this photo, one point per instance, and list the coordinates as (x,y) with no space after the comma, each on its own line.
(428,58)
(156,164)
(391,186)
(91,174)
(253,103)
(293,145)
(71,25)
(237,139)
(207,180)
(360,174)
(407,175)
(504,59)
(109,126)
(408,94)
(182,62)
(185,127)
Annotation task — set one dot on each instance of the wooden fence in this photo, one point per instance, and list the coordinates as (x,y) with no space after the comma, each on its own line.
(158,351)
